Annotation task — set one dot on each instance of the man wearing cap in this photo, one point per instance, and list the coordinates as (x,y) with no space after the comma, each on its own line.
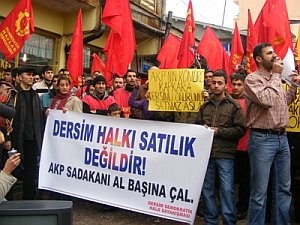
(99,101)
(27,130)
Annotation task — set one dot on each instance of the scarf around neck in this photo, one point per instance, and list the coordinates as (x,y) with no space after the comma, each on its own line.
(60,100)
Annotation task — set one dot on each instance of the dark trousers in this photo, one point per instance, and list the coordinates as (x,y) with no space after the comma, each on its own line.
(30,165)
(294,143)
(242,176)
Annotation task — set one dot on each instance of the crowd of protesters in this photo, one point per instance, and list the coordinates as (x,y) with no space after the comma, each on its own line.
(250,146)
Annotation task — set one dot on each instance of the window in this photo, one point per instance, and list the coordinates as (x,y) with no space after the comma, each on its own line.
(37,51)
(149,4)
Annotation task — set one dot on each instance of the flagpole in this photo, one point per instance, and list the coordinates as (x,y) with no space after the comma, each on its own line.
(224,13)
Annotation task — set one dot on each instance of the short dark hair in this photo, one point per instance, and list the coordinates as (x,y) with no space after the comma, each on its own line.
(208,71)
(46,68)
(257,51)
(7,70)
(238,76)
(113,108)
(130,70)
(221,73)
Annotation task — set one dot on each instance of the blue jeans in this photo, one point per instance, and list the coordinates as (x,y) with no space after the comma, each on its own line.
(224,169)
(269,152)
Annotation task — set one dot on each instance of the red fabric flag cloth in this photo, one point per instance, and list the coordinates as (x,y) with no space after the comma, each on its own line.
(97,64)
(186,55)
(120,44)
(272,25)
(251,43)
(168,54)
(226,65)
(75,59)
(16,29)
(237,50)
(211,49)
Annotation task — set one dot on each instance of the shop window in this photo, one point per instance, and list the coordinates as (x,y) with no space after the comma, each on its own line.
(37,51)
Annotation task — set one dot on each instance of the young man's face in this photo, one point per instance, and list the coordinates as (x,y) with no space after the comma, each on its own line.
(100,88)
(218,85)
(130,79)
(237,88)
(48,75)
(207,78)
(118,83)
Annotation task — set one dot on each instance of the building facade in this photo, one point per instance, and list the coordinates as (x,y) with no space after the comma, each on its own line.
(54,24)
(256,5)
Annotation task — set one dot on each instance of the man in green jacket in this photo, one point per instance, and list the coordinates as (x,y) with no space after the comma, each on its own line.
(224,115)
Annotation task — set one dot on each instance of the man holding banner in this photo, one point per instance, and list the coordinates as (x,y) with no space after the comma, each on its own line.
(224,116)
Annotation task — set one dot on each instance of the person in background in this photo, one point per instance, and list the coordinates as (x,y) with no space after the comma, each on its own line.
(37,78)
(44,85)
(114,110)
(64,71)
(118,82)
(224,116)
(6,178)
(267,117)
(15,76)
(100,100)
(47,98)
(122,95)
(7,76)
(96,74)
(64,99)
(27,130)
(242,164)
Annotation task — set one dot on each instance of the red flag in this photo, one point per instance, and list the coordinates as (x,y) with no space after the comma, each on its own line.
(97,64)
(16,29)
(186,55)
(120,44)
(237,50)
(226,65)
(75,60)
(211,49)
(167,55)
(251,43)
(272,25)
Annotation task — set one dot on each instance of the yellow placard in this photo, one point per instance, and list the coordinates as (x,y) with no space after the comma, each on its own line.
(176,89)
(294,111)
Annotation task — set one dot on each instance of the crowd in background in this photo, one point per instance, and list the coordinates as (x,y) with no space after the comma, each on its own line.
(249,131)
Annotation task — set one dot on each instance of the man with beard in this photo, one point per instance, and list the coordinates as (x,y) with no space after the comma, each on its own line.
(267,117)
(99,101)
(224,116)
(122,95)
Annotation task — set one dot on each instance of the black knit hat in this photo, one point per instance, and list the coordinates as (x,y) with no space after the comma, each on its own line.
(99,79)
(26,69)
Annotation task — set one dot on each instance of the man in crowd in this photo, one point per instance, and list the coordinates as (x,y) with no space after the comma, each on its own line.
(44,85)
(122,95)
(27,130)
(224,115)
(242,165)
(7,76)
(267,116)
(99,101)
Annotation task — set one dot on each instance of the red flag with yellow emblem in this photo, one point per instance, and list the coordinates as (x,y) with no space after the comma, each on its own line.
(237,50)
(16,29)
(186,55)
(272,25)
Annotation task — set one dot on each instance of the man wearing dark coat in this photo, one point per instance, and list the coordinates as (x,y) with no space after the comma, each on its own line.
(27,131)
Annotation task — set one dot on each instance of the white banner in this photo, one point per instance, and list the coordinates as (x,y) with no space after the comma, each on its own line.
(150,167)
